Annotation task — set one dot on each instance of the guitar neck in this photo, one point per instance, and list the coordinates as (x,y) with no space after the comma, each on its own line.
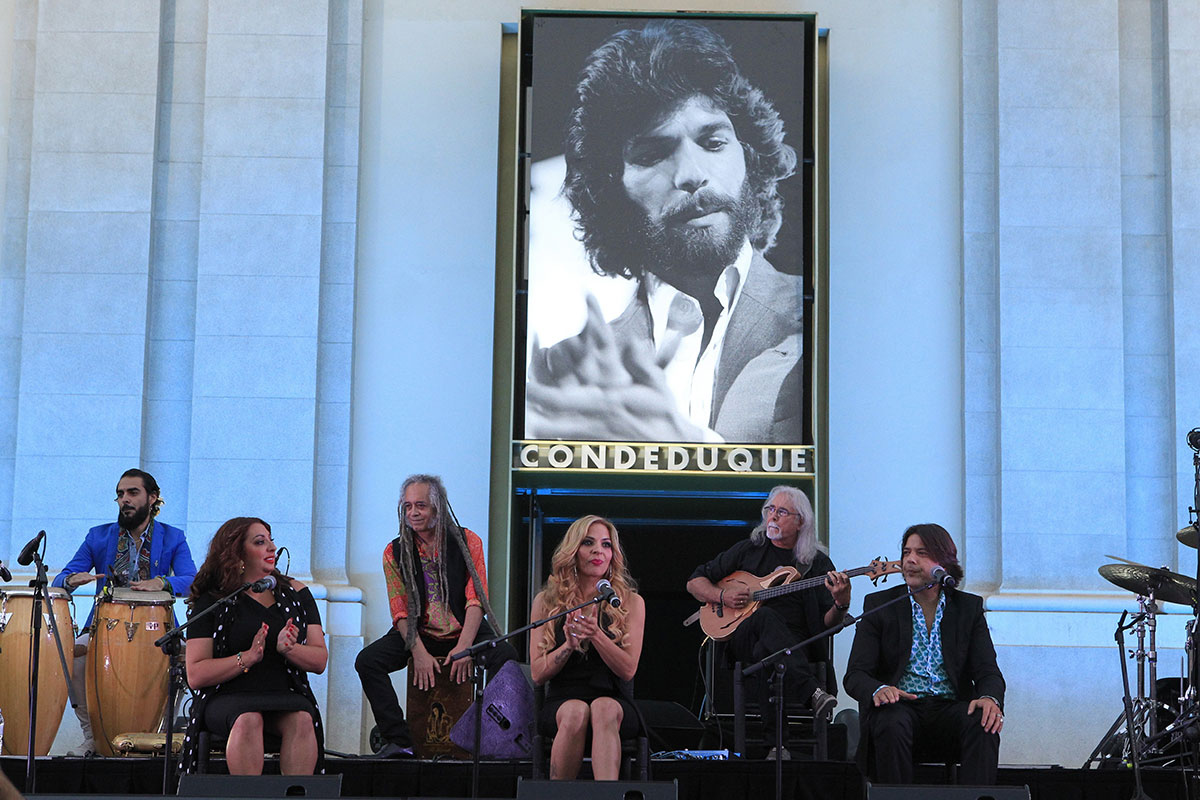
(796,586)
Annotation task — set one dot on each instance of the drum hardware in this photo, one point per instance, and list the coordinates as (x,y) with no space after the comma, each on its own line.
(1140,715)
(42,597)
(1180,737)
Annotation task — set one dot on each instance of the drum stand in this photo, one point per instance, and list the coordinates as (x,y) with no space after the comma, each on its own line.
(41,597)
(1139,717)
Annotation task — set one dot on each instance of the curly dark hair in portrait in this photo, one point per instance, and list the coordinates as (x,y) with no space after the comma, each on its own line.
(222,569)
(631,80)
(940,546)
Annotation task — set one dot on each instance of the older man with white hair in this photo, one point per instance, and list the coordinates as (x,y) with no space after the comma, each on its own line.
(786,537)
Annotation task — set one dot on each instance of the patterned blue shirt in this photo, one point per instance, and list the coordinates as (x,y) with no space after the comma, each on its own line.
(925,675)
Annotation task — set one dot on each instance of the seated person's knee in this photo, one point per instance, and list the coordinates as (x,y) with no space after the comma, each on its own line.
(573,717)
(248,723)
(606,713)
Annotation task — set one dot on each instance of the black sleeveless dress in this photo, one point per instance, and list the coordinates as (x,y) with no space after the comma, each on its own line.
(272,684)
(586,677)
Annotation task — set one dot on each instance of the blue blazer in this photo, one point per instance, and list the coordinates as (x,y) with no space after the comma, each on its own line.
(169,557)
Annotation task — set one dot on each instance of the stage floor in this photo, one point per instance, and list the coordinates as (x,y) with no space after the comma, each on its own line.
(698,780)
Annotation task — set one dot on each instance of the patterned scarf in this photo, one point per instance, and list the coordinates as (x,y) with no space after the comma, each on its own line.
(289,602)
(120,567)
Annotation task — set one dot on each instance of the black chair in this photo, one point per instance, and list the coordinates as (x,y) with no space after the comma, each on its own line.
(748,698)
(635,752)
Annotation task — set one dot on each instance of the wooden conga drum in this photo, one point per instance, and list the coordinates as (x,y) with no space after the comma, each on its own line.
(16,645)
(126,674)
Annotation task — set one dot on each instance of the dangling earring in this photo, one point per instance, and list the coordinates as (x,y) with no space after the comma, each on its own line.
(242,566)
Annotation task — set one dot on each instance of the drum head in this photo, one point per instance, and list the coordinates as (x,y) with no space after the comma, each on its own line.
(134,597)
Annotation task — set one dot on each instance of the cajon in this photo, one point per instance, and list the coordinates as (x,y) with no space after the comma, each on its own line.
(432,713)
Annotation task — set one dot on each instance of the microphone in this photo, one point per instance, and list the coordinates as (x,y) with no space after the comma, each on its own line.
(5,575)
(263,584)
(30,548)
(1193,439)
(607,595)
(943,578)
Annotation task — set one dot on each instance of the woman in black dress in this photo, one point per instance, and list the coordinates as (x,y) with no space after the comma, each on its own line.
(588,658)
(250,659)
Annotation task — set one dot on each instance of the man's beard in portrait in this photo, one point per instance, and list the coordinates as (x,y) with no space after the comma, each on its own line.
(132,522)
(688,257)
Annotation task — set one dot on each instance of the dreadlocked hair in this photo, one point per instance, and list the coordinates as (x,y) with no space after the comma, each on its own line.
(446,529)
(564,589)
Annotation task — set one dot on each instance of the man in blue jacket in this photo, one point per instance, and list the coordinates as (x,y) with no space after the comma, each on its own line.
(136,551)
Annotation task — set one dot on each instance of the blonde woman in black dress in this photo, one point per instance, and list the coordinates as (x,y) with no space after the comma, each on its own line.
(587,660)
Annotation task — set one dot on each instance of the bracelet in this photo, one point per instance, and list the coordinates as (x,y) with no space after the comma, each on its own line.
(240,664)
(841,607)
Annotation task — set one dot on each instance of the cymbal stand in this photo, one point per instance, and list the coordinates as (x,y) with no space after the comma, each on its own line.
(1128,746)
(1147,660)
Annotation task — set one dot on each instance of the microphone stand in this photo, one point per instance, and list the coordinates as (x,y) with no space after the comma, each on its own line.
(477,677)
(775,661)
(169,644)
(40,596)
(1194,516)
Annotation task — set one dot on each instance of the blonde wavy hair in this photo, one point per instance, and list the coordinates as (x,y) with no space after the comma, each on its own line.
(563,588)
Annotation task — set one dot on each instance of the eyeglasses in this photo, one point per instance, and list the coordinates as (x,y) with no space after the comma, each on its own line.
(782,512)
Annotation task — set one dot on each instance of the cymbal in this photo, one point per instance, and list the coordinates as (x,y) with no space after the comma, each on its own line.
(1167,586)
(1187,535)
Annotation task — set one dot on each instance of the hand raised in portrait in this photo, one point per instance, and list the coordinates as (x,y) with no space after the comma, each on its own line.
(593,387)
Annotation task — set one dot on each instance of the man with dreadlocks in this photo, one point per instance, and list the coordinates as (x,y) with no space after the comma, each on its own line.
(443,616)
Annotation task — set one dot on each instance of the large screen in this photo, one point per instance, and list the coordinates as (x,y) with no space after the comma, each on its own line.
(668,250)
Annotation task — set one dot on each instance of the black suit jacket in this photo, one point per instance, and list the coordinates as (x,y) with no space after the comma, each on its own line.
(758,391)
(883,643)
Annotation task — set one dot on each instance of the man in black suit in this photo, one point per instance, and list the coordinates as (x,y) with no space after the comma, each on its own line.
(924,671)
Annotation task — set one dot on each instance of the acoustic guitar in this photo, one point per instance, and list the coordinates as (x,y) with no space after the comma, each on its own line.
(719,621)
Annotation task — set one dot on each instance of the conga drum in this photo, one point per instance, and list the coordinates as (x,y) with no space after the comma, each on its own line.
(16,645)
(126,674)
